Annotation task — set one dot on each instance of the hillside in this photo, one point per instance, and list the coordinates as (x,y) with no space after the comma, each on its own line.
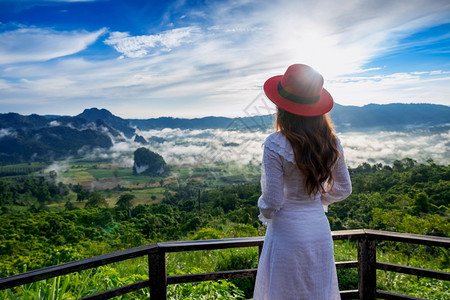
(389,116)
(48,143)
(113,121)
(39,138)
(405,197)
(36,138)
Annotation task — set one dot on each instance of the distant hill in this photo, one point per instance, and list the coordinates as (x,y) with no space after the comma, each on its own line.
(37,138)
(390,116)
(168,122)
(16,121)
(386,117)
(43,138)
(94,114)
(48,143)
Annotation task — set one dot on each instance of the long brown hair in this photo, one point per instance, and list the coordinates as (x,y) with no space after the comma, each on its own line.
(315,146)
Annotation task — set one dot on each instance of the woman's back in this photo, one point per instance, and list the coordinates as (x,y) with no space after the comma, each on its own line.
(293,178)
(302,169)
(297,257)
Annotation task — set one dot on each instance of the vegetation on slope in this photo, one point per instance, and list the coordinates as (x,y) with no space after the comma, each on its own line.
(405,197)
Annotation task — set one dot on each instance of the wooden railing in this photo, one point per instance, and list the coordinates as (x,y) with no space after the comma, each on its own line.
(158,279)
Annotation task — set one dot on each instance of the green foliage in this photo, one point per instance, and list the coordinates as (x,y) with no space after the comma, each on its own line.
(220,289)
(407,197)
(32,191)
(396,199)
(54,142)
(415,286)
(236,259)
(151,162)
(96,199)
(207,234)
(125,202)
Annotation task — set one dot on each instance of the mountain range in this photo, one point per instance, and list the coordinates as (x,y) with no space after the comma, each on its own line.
(52,137)
(385,117)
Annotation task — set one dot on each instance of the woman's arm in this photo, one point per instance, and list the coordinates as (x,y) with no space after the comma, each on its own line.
(272,185)
(342,186)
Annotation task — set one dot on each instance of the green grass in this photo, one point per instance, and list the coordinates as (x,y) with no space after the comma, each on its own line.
(25,165)
(92,281)
(142,196)
(411,285)
(100,174)
(78,175)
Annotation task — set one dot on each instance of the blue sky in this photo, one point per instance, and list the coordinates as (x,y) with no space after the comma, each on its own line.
(142,59)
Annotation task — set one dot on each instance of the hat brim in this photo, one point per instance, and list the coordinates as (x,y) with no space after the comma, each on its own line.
(322,106)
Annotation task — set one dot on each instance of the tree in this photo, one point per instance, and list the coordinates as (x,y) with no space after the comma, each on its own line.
(53,175)
(69,205)
(83,195)
(421,202)
(96,200)
(42,194)
(125,202)
(5,193)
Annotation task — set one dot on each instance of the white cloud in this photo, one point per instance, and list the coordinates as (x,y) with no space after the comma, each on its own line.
(54,123)
(220,55)
(212,146)
(35,44)
(425,87)
(385,147)
(6,132)
(141,46)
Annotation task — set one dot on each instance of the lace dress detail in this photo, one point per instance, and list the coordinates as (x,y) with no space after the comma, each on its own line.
(297,258)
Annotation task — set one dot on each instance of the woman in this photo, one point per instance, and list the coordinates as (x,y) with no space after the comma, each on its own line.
(303,170)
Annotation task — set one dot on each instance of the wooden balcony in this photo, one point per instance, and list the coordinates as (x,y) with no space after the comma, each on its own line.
(158,279)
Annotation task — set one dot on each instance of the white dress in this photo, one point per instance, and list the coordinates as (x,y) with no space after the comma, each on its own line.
(297,259)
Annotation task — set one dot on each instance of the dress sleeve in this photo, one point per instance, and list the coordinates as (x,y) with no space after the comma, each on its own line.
(272,185)
(342,186)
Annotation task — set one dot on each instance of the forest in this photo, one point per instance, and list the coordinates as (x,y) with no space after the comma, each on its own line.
(404,197)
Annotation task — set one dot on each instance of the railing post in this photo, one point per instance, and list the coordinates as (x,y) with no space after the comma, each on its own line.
(367,275)
(157,275)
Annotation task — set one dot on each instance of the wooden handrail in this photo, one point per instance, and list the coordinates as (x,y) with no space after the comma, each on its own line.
(75,266)
(158,279)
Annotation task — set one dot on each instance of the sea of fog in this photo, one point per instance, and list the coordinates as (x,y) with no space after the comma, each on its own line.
(206,147)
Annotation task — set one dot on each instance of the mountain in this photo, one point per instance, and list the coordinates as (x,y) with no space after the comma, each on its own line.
(43,138)
(385,117)
(80,123)
(169,122)
(94,114)
(37,138)
(48,143)
(148,162)
(390,116)
(14,120)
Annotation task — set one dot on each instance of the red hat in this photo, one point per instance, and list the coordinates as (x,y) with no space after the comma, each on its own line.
(299,91)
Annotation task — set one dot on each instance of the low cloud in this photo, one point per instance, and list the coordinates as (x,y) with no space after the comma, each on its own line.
(5,132)
(55,123)
(385,147)
(212,146)
(59,168)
